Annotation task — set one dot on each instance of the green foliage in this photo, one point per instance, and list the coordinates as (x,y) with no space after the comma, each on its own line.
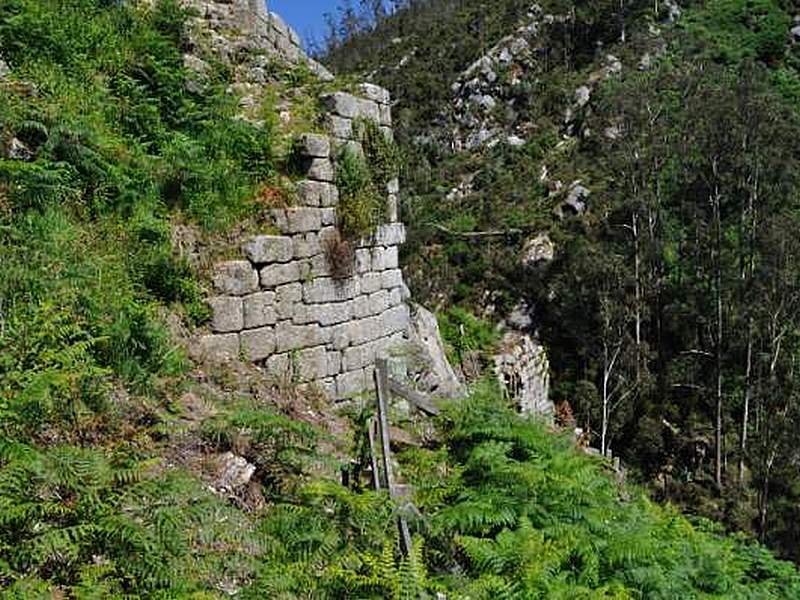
(282,450)
(361,203)
(362,180)
(107,524)
(381,154)
(529,517)
(735,30)
(464,333)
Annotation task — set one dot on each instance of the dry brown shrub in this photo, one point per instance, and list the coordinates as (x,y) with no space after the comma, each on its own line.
(341,256)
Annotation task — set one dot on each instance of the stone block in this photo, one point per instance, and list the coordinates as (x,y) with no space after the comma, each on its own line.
(235,278)
(258,344)
(363,260)
(342,104)
(340,128)
(392,209)
(226,314)
(303,220)
(396,319)
(287,297)
(325,289)
(259,310)
(391,279)
(358,357)
(334,363)
(220,347)
(391,234)
(324,314)
(328,216)
(297,220)
(366,330)
(314,145)
(396,296)
(264,249)
(318,266)
(367,109)
(384,258)
(370,283)
(385,116)
(320,169)
(306,245)
(317,194)
(362,308)
(340,336)
(312,364)
(379,301)
(279,365)
(375,93)
(279,274)
(298,337)
(350,384)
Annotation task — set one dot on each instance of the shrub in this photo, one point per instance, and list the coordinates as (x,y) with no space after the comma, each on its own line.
(340,256)
(361,203)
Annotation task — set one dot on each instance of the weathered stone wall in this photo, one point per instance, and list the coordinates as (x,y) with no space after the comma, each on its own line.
(280,306)
(523,370)
(237,27)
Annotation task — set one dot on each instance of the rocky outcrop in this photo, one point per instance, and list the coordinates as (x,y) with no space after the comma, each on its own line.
(434,373)
(523,369)
(483,97)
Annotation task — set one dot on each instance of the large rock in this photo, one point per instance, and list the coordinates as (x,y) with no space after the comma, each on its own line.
(227,314)
(796,33)
(424,334)
(538,251)
(582,96)
(233,472)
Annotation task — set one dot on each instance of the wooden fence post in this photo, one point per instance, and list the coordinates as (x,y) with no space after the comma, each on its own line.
(382,388)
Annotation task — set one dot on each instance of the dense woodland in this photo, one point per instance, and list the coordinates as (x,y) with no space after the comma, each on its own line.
(682,271)
(670,312)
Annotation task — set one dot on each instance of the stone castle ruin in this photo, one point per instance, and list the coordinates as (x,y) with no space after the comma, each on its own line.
(280,304)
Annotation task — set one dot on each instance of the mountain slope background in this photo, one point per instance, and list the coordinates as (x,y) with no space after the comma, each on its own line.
(131,469)
(624,175)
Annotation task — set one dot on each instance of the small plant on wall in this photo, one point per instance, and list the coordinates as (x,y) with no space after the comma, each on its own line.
(362,175)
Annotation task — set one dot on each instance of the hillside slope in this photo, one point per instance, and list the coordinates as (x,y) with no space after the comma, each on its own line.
(620,179)
(129,469)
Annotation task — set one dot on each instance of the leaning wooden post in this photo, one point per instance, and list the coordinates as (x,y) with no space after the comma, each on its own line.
(382,388)
(373,456)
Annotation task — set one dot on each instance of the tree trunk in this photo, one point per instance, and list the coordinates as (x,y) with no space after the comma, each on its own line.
(637,266)
(748,387)
(718,344)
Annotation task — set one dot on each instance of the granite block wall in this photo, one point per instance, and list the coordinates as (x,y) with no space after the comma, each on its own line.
(280,306)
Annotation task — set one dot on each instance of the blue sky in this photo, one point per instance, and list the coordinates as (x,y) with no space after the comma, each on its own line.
(305,16)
